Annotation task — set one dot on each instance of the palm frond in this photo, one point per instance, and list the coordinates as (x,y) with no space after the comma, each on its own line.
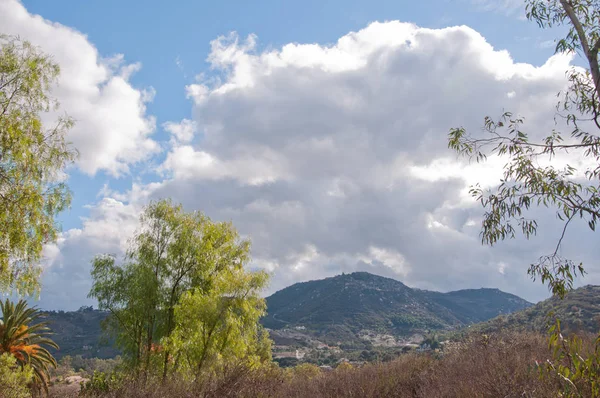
(27,342)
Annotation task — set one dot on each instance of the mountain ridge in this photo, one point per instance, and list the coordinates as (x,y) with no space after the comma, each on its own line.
(341,309)
(579,310)
(349,304)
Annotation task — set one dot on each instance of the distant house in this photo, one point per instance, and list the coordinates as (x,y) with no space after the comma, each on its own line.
(300,354)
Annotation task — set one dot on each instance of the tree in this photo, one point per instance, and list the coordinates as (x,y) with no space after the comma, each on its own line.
(120,289)
(174,254)
(32,160)
(25,341)
(573,194)
(221,325)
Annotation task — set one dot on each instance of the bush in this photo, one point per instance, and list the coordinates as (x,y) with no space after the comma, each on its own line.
(102,383)
(305,371)
(343,367)
(13,379)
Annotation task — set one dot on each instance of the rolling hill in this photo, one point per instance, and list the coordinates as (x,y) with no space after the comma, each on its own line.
(80,333)
(348,309)
(342,307)
(578,311)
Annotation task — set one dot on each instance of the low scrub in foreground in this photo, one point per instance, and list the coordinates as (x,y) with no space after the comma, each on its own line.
(507,365)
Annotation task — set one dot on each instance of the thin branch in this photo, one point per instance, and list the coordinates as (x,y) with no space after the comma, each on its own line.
(123,324)
(563,234)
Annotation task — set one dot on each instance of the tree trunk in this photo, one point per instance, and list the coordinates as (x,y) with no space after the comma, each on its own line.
(591,53)
(169,330)
(148,349)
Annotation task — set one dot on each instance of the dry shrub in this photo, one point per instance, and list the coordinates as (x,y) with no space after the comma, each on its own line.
(484,366)
(400,378)
(492,366)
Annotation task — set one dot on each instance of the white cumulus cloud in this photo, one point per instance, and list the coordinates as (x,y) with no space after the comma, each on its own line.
(112,128)
(66,278)
(334,158)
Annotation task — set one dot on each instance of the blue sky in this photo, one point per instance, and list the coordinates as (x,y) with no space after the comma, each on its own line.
(326,148)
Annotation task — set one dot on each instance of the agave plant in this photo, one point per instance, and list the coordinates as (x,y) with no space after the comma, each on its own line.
(25,341)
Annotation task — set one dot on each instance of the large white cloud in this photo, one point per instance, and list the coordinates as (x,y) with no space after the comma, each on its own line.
(334,158)
(112,128)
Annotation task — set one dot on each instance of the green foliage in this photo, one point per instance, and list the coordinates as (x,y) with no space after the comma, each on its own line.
(25,341)
(220,326)
(32,160)
(526,181)
(183,262)
(102,383)
(14,379)
(580,372)
(305,371)
(120,289)
(286,362)
(432,341)
(344,367)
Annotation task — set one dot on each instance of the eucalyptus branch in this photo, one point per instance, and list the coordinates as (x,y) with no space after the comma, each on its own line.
(562,235)
(590,54)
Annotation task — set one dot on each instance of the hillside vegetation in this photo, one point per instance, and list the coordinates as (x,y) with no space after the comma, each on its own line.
(579,311)
(342,307)
(80,333)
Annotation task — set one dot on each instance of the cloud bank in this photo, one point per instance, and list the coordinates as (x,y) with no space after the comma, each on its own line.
(334,159)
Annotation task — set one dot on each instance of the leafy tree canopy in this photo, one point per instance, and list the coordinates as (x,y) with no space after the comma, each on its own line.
(222,325)
(182,271)
(32,159)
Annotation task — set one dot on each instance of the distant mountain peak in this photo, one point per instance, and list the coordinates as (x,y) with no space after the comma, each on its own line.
(367,276)
(349,303)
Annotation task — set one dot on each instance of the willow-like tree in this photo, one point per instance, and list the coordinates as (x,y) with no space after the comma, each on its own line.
(221,326)
(526,183)
(33,156)
(174,253)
